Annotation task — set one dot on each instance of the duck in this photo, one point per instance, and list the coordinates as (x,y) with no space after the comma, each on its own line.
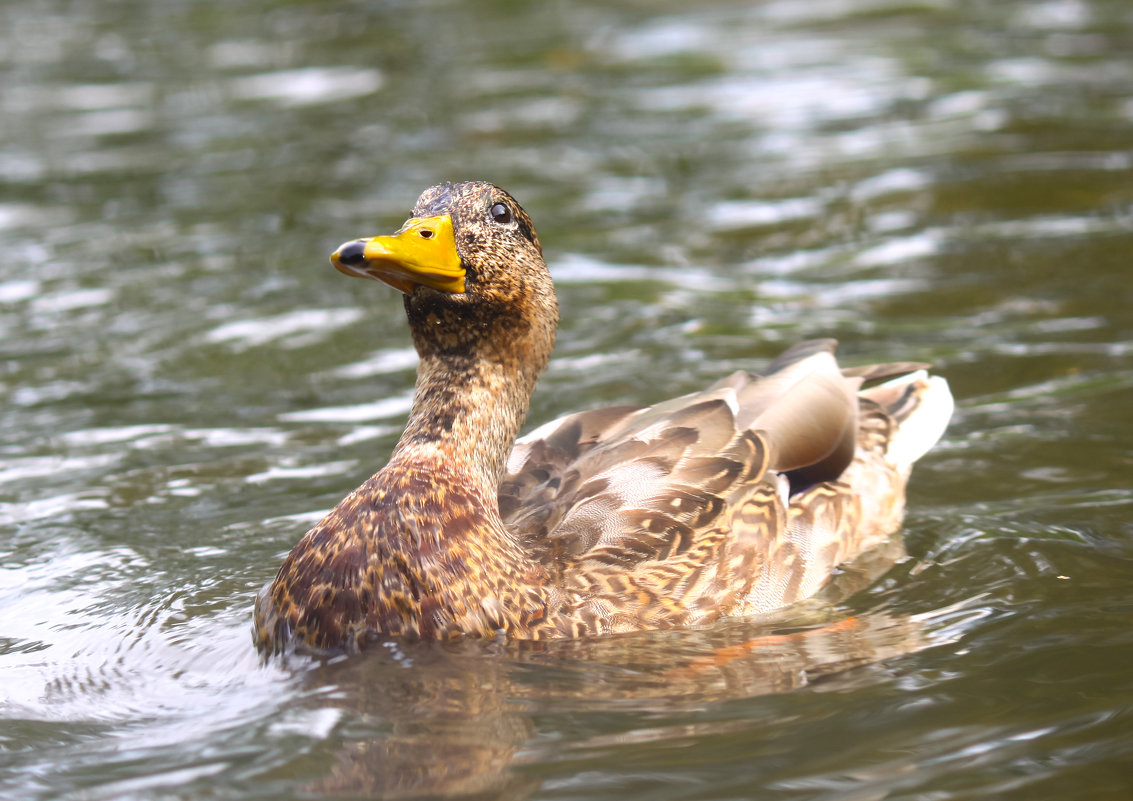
(736,500)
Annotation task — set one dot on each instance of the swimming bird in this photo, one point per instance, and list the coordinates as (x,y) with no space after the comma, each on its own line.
(735,500)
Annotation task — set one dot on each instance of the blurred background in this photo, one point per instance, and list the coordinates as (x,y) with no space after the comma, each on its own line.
(186,385)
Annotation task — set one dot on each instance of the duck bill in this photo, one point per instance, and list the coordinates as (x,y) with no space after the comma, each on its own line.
(422,253)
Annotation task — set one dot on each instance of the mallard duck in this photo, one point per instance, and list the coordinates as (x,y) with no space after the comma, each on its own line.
(736,500)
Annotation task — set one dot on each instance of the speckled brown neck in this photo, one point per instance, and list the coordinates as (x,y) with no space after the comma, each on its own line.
(474,383)
(465,412)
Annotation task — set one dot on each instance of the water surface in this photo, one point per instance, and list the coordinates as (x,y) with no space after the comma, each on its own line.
(187,385)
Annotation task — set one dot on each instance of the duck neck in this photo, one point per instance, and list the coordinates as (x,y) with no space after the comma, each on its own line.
(479,363)
(466,413)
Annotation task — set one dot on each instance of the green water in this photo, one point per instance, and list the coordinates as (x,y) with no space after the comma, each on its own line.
(186,384)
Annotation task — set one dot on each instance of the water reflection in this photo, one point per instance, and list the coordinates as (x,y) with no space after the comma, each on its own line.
(459,719)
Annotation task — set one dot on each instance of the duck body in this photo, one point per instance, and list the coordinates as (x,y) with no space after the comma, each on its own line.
(736,500)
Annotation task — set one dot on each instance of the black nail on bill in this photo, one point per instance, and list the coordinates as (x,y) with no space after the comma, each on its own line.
(352,254)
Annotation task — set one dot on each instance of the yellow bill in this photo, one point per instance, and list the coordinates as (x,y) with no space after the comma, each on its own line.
(422,253)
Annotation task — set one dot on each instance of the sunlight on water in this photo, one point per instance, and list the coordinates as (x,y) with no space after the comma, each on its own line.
(186,385)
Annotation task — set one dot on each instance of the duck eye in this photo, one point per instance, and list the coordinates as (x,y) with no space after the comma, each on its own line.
(501,213)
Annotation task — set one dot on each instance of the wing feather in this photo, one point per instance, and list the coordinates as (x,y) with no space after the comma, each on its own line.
(737,499)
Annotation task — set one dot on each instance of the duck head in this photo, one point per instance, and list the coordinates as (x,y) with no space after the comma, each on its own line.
(471,267)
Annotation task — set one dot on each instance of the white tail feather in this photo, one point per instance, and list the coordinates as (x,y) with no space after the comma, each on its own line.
(925,425)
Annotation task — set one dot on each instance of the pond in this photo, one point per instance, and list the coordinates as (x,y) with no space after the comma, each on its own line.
(187,385)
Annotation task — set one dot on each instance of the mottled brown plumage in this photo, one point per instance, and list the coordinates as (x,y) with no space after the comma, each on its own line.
(736,500)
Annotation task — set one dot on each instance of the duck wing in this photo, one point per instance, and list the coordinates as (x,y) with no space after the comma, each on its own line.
(730,500)
(628,485)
